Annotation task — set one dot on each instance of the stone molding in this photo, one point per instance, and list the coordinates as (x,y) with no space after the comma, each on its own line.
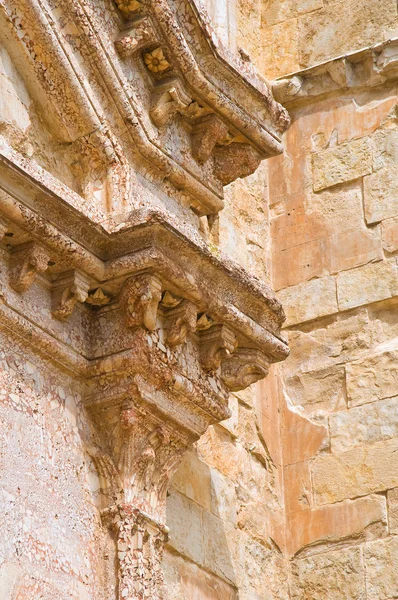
(363,69)
(113,125)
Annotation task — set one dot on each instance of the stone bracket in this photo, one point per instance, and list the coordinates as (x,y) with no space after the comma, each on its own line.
(243,368)
(27,261)
(71,287)
(235,160)
(181,321)
(141,296)
(142,35)
(207,132)
(216,344)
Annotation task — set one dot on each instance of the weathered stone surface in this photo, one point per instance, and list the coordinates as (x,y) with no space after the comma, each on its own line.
(343,163)
(389,229)
(338,575)
(187,541)
(364,425)
(318,392)
(381,195)
(193,479)
(367,284)
(355,472)
(381,560)
(372,378)
(309,300)
(392,505)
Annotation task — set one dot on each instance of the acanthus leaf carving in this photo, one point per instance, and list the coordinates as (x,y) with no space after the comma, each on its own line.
(27,261)
(141,296)
(216,343)
(69,289)
(207,132)
(235,160)
(181,321)
(243,368)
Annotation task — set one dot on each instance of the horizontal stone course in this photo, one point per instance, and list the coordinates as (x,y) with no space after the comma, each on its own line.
(381,195)
(309,300)
(372,378)
(367,284)
(342,163)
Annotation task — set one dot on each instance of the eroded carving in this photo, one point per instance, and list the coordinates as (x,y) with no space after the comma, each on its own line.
(3,228)
(156,61)
(180,321)
(207,132)
(169,101)
(69,289)
(235,160)
(27,261)
(216,343)
(140,36)
(243,368)
(141,296)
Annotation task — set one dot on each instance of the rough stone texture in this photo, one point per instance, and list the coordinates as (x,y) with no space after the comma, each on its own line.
(116,273)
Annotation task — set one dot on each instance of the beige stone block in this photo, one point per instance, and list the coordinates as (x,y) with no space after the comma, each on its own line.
(362,519)
(381,560)
(343,26)
(385,144)
(367,284)
(222,452)
(354,247)
(220,542)
(373,378)
(280,49)
(362,470)
(309,300)
(318,392)
(187,581)
(185,520)
(342,163)
(364,424)
(335,575)
(389,229)
(275,11)
(223,497)
(392,507)
(266,571)
(193,479)
(381,195)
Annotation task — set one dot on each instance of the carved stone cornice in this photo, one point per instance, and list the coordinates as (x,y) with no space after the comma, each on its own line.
(184,80)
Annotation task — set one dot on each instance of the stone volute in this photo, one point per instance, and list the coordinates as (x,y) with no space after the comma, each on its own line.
(129,296)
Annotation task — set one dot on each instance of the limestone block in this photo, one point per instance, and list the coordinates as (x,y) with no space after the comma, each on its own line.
(223,497)
(220,544)
(389,229)
(356,472)
(309,300)
(373,378)
(354,247)
(392,506)
(366,284)
(266,571)
(275,11)
(185,520)
(385,145)
(220,451)
(320,392)
(364,424)
(338,575)
(281,55)
(342,163)
(363,518)
(381,560)
(342,26)
(193,479)
(184,580)
(381,195)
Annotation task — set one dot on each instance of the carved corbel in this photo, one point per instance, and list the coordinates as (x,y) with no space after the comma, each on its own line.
(71,287)
(140,297)
(235,160)
(243,368)
(129,7)
(207,132)
(143,34)
(216,344)
(167,102)
(27,261)
(180,321)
